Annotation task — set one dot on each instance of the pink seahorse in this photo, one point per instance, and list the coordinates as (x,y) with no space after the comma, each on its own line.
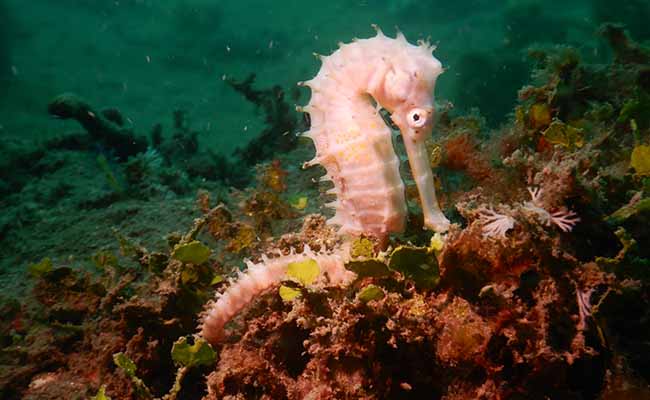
(355,146)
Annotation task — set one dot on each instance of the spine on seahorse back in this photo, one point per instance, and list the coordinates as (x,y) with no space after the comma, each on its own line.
(353,143)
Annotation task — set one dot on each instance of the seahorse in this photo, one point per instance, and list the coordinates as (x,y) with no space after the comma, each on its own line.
(354,145)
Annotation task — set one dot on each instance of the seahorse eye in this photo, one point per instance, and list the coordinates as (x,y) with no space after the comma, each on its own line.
(417,117)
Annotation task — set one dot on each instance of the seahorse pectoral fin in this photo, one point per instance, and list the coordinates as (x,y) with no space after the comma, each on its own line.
(416,151)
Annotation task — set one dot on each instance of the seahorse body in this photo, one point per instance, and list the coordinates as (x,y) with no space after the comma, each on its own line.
(354,144)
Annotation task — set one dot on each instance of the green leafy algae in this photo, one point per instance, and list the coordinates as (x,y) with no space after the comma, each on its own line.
(622,214)
(128,366)
(416,263)
(369,293)
(191,355)
(40,268)
(123,361)
(368,268)
(627,243)
(101,394)
(193,252)
(565,135)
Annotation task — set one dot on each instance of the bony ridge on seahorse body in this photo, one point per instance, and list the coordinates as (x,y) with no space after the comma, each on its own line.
(355,147)
(354,144)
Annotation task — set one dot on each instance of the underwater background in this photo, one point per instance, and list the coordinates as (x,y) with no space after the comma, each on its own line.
(147,148)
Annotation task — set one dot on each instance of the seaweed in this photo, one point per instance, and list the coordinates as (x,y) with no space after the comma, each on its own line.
(626,51)
(282,123)
(183,152)
(106,131)
(633,13)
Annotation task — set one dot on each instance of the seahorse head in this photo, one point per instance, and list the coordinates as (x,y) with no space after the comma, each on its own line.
(408,88)
(407,93)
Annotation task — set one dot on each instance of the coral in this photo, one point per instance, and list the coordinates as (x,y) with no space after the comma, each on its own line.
(625,50)
(185,356)
(520,314)
(264,207)
(84,320)
(143,167)
(257,212)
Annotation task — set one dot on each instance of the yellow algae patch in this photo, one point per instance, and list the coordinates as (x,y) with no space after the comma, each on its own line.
(299,203)
(193,252)
(287,293)
(539,115)
(564,135)
(435,156)
(437,242)
(640,160)
(362,247)
(304,272)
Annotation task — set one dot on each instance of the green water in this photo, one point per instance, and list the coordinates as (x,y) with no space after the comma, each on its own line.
(147,57)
